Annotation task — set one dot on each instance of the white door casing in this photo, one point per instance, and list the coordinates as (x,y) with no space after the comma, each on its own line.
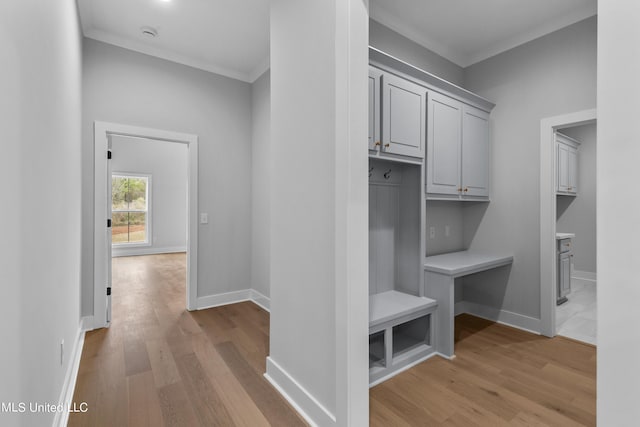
(102,211)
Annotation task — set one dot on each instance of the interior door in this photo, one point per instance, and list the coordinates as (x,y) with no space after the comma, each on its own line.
(109,236)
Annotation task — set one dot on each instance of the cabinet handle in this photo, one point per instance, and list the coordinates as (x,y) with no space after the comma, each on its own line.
(466,189)
(387,145)
(377,144)
(459,189)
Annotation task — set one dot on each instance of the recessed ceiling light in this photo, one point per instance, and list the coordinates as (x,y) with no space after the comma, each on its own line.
(149,32)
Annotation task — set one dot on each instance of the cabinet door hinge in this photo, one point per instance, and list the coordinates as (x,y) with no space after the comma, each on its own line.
(108,154)
(108,223)
(108,290)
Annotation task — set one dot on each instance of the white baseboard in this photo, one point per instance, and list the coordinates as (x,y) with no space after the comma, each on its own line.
(68,387)
(509,318)
(584,275)
(146,250)
(252,295)
(404,368)
(261,300)
(303,402)
(86,323)
(216,300)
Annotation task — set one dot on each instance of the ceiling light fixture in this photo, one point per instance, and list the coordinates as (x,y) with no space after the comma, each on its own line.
(149,32)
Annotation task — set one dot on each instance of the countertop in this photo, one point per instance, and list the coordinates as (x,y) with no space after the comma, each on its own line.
(461,263)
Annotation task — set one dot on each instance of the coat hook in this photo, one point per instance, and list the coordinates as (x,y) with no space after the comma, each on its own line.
(387,174)
(370,171)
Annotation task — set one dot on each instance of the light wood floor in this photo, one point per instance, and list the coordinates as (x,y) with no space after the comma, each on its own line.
(160,365)
(500,376)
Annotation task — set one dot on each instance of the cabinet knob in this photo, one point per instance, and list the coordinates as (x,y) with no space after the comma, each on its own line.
(459,189)
(387,145)
(466,189)
(377,144)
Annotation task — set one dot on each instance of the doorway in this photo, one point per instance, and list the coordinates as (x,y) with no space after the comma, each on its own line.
(104,136)
(549,212)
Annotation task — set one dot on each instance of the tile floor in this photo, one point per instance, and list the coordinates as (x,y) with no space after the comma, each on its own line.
(576,318)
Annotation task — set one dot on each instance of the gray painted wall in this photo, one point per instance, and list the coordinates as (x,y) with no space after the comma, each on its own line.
(553,75)
(260,183)
(40,117)
(126,87)
(166,162)
(395,44)
(578,214)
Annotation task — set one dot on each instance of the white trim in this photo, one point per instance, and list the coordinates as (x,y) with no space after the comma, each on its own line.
(66,396)
(508,318)
(261,300)
(100,261)
(548,212)
(86,323)
(585,275)
(303,401)
(260,69)
(404,368)
(146,250)
(216,300)
(167,55)
(210,301)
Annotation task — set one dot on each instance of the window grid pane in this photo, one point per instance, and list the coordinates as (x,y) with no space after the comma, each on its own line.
(129,209)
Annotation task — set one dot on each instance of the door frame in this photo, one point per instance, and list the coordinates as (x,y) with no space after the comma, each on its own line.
(548,271)
(102,131)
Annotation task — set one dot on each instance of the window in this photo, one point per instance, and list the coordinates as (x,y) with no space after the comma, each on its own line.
(130,209)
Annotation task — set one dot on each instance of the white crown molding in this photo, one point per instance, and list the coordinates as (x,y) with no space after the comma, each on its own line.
(549,27)
(465,60)
(396,24)
(105,37)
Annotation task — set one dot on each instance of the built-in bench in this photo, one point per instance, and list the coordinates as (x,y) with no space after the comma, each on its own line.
(401,333)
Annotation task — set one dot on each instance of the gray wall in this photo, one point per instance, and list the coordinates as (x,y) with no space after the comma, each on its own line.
(40,116)
(395,44)
(260,183)
(126,87)
(553,75)
(166,162)
(578,214)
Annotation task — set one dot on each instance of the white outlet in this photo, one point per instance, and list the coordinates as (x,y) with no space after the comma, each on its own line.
(61,352)
(447,230)
(204,218)
(432,232)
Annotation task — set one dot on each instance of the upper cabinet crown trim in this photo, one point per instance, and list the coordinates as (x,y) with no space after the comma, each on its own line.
(399,67)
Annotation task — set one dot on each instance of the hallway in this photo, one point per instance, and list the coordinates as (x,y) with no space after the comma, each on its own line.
(159,364)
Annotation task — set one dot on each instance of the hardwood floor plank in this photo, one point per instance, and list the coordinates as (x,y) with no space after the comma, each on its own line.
(176,407)
(144,403)
(266,398)
(162,363)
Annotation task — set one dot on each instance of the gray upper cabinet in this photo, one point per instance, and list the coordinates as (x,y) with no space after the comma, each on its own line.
(403,117)
(457,150)
(475,152)
(443,145)
(566,165)
(375,77)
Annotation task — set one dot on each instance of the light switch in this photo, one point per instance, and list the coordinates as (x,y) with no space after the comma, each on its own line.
(204,218)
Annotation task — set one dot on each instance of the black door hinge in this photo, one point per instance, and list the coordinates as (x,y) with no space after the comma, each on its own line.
(108,290)
(108,223)
(108,154)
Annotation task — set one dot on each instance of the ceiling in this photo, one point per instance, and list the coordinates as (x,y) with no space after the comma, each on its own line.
(469,31)
(227,37)
(231,37)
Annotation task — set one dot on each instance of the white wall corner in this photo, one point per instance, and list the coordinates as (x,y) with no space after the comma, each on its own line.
(508,318)
(302,401)
(68,386)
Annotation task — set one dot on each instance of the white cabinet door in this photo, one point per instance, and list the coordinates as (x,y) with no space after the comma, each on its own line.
(564,275)
(443,145)
(403,114)
(563,167)
(572,170)
(375,77)
(475,152)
